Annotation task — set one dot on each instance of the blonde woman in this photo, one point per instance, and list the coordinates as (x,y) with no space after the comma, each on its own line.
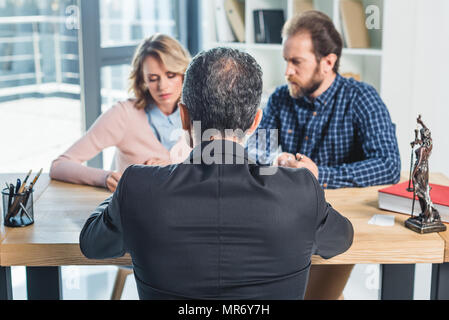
(145,129)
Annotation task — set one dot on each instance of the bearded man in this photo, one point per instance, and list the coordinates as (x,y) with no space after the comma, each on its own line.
(338,128)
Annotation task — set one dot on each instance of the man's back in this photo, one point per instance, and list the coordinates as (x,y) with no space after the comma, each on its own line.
(225,231)
(211,229)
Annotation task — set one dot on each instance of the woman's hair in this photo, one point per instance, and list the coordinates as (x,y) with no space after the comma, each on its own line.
(168,51)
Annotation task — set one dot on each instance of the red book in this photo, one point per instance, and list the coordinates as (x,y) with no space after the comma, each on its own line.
(397,198)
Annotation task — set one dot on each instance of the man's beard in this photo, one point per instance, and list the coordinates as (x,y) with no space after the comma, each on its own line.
(297,91)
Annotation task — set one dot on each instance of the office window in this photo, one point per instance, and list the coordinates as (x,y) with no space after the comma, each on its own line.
(114,85)
(123,25)
(128,22)
(39,82)
(114,88)
(40,106)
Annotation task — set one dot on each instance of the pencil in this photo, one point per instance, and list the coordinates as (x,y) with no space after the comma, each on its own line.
(35,179)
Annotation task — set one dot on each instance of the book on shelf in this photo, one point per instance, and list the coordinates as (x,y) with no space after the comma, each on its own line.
(235,11)
(222,27)
(355,33)
(396,198)
(301,6)
(268,26)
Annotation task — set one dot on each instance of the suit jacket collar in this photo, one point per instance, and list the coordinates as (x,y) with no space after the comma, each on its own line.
(218,152)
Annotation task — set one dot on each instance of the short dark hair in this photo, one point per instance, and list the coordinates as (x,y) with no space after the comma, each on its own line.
(222,89)
(325,37)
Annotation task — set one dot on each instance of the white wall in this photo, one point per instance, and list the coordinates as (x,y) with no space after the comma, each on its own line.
(415,73)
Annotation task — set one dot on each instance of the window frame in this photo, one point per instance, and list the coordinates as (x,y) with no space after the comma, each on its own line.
(93,57)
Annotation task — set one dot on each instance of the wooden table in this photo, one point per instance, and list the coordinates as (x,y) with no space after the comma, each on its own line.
(61,210)
(396,248)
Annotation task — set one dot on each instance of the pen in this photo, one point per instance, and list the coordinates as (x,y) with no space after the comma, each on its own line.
(24,203)
(24,182)
(13,209)
(9,209)
(24,211)
(18,185)
(11,195)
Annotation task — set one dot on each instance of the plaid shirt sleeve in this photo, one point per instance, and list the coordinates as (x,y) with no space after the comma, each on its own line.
(377,135)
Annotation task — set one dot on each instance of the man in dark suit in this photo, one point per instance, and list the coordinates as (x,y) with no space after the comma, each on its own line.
(217,226)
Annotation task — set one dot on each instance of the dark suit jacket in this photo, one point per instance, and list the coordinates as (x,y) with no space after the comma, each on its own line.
(217,231)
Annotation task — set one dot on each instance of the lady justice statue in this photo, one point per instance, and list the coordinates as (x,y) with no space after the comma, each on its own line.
(429,219)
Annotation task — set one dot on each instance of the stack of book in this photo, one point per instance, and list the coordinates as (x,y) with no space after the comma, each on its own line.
(230,22)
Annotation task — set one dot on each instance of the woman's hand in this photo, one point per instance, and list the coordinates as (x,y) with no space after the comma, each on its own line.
(112,180)
(157,162)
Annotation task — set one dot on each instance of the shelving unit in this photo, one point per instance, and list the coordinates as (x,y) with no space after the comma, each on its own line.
(365,62)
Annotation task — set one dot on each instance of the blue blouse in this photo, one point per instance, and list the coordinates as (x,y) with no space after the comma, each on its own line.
(167,129)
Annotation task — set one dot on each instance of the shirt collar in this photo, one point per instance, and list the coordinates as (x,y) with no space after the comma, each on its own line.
(175,116)
(327,95)
(155,112)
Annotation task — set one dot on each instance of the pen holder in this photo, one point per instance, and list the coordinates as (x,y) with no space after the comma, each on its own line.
(17,209)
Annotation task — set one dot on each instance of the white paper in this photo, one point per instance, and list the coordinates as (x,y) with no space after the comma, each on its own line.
(382,220)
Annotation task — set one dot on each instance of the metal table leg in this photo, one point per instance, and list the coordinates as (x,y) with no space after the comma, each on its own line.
(5,283)
(44,283)
(397,281)
(440,282)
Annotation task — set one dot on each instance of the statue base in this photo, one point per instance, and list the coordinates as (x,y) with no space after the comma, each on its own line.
(416,224)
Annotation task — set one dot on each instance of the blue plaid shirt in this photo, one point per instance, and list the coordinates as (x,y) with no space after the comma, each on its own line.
(347,131)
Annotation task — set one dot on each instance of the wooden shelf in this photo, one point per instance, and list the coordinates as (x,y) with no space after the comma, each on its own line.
(362,52)
(367,62)
(248,46)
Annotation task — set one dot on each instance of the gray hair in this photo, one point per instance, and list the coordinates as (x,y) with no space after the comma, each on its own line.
(222,89)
